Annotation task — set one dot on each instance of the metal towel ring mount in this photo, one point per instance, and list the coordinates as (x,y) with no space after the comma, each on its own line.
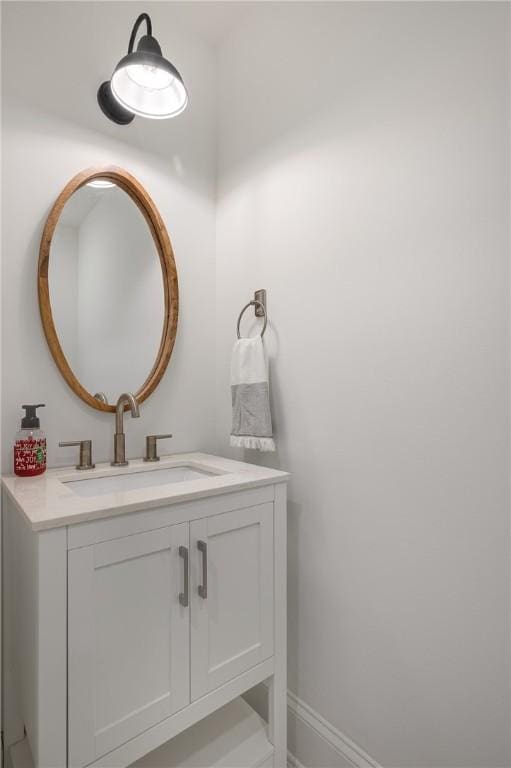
(253,303)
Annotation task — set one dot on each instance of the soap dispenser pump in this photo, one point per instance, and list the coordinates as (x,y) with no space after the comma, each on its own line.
(30,444)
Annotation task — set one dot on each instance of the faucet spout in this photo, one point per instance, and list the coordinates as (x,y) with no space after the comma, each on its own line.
(119,438)
(125,399)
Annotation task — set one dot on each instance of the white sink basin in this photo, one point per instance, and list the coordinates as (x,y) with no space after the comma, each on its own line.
(128,481)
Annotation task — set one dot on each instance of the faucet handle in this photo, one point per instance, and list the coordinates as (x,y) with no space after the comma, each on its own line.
(85,452)
(150,447)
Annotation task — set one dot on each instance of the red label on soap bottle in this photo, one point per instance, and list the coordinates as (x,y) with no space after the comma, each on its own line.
(30,456)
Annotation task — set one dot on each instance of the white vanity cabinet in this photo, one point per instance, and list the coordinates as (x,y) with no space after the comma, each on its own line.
(232,627)
(124,630)
(128,639)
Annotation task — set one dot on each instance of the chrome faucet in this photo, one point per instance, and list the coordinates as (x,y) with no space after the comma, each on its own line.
(120,438)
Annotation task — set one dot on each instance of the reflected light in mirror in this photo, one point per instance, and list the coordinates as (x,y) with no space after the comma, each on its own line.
(100,184)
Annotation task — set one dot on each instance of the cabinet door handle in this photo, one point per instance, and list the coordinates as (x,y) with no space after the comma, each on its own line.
(183,596)
(203,588)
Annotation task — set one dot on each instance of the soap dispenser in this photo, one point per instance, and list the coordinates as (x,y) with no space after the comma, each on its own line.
(30,444)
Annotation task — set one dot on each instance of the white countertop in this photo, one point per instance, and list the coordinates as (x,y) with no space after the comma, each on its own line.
(46,502)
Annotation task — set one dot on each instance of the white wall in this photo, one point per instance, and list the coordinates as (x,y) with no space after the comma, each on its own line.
(53,128)
(364,182)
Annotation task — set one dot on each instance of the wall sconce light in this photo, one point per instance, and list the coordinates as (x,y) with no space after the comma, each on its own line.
(143,83)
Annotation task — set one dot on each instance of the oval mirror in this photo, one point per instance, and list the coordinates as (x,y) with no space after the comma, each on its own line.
(107,285)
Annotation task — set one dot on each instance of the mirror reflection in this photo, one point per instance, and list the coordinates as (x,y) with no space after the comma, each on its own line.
(106,290)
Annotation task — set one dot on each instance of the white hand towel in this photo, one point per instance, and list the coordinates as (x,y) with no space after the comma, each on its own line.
(251,418)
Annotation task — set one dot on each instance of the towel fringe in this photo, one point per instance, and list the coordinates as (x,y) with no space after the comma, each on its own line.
(256,443)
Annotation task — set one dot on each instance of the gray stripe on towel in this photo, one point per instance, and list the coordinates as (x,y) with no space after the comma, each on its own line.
(251,409)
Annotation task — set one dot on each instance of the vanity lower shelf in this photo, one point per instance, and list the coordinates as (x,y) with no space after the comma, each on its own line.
(234,736)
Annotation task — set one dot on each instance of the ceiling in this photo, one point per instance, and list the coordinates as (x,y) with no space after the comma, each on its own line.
(209,19)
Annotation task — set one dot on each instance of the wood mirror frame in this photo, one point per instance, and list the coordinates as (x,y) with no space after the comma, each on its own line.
(138,194)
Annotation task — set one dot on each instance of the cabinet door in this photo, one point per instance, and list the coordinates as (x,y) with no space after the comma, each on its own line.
(232,619)
(128,639)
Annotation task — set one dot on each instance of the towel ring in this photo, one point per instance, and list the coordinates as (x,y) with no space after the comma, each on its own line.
(253,303)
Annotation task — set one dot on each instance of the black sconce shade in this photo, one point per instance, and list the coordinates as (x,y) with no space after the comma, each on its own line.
(143,83)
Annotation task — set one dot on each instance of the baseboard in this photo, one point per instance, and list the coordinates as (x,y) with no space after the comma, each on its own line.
(315,735)
(313,742)
(292,761)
